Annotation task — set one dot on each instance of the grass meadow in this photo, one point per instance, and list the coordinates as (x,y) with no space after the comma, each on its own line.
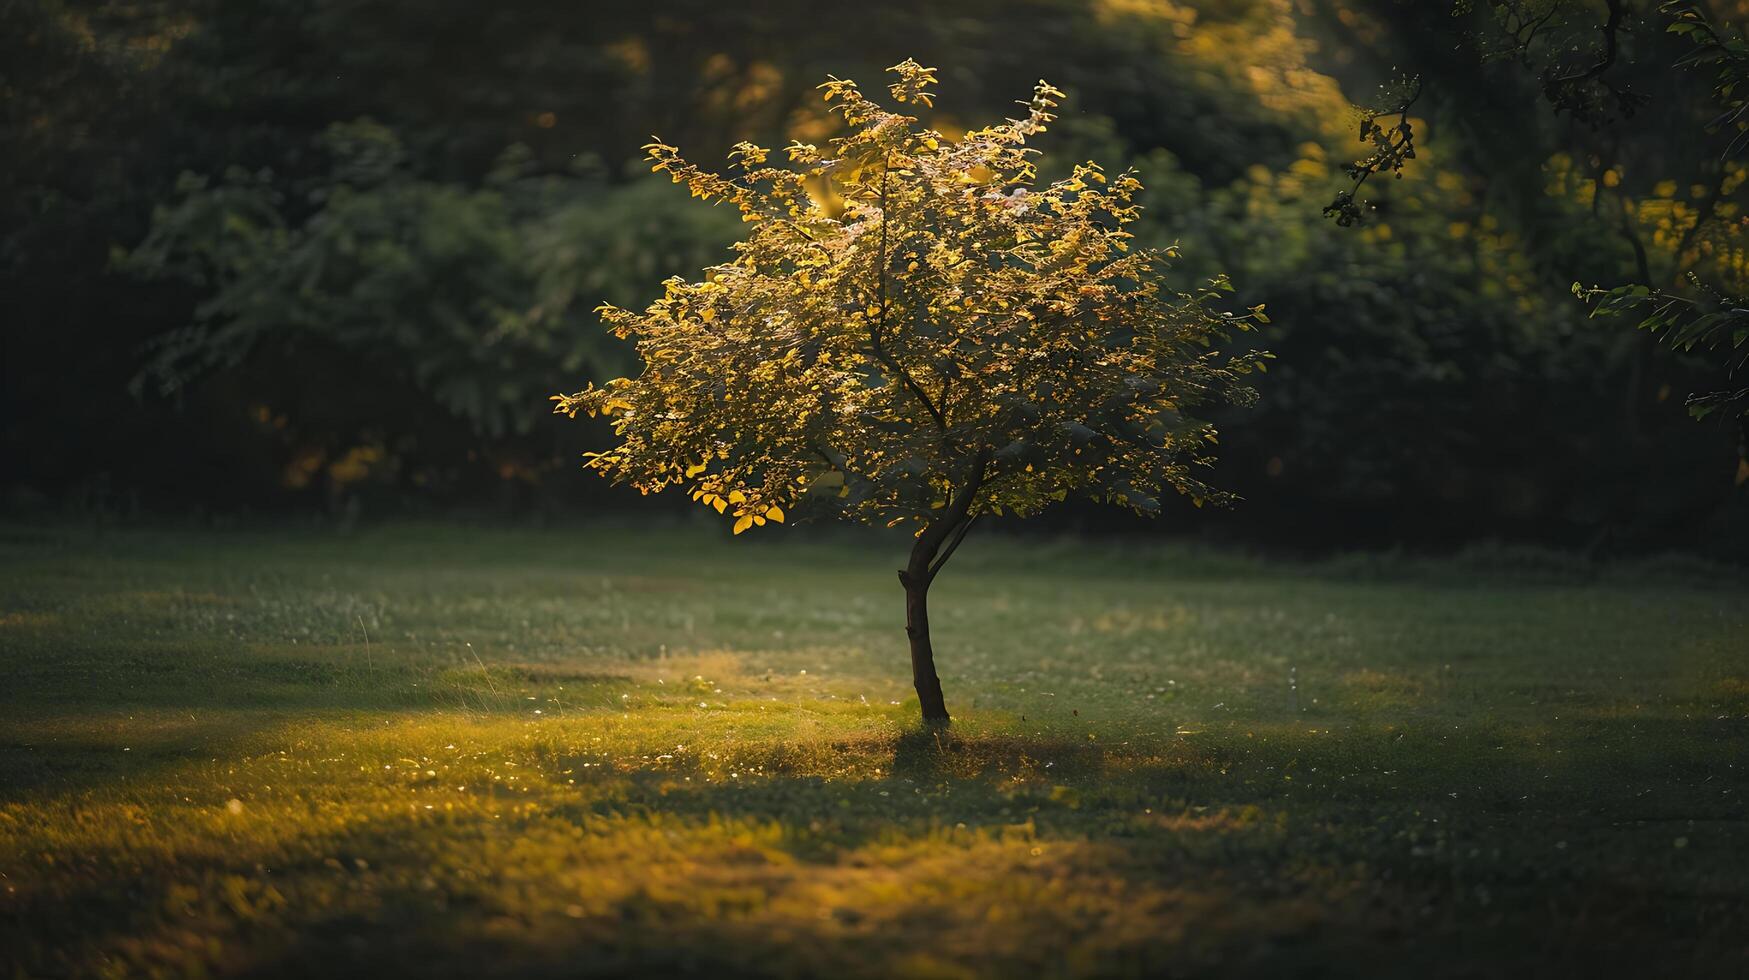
(600,751)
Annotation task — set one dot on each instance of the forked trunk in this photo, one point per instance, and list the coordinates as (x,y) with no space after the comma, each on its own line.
(935,545)
(922,654)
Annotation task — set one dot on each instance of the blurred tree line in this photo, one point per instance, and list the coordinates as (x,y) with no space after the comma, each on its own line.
(337,253)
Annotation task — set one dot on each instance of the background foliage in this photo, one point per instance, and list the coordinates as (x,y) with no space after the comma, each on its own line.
(328,253)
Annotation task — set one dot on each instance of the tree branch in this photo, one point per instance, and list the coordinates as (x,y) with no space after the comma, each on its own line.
(924,561)
(880,325)
(953,545)
(1611,27)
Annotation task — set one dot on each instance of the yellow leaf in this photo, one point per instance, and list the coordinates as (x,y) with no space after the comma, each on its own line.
(737,497)
(719,504)
(692,471)
(743,524)
(776,514)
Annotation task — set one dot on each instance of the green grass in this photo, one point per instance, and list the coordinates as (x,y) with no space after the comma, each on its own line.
(442,751)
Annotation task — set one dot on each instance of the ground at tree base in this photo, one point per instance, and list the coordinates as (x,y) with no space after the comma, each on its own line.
(602,751)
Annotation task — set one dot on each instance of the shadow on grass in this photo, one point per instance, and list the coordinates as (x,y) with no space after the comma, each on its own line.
(72,724)
(941,859)
(927,852)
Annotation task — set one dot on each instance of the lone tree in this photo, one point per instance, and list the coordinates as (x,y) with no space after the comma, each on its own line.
(914,332)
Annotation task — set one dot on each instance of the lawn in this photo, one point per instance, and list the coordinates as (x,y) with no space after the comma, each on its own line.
(603,751)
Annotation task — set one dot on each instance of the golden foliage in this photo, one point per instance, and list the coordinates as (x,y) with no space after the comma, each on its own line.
(913,315)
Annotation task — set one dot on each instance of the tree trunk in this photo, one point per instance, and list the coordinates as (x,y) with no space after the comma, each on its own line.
(923,676)
(935,545)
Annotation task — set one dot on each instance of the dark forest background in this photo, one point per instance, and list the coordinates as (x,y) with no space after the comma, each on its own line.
(333,255)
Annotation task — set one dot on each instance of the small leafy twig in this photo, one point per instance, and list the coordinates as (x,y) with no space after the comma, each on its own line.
(1392,147)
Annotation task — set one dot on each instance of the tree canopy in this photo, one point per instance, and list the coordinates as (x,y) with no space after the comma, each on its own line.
(916,329)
